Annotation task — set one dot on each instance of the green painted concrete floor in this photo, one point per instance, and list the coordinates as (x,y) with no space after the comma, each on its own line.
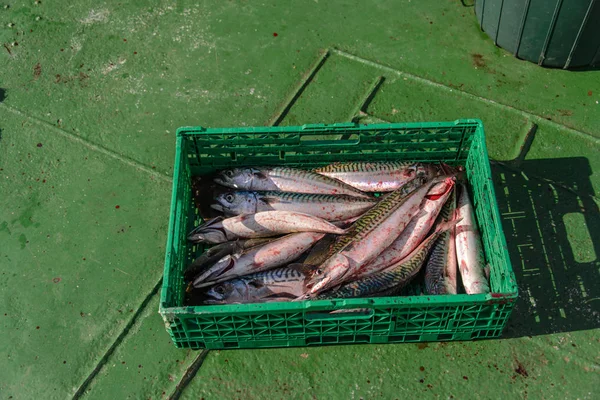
(90,96)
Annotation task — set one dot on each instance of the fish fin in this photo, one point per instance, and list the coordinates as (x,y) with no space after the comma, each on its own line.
(307,269)
(255,283)
(210,256)
(212,276)
(447,225)
(420,214)
(259,174)
(305,296)
(206,224)
(281,295)
(270,200)
(487,271)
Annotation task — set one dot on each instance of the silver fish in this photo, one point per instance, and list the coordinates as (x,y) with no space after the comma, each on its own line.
(469,251)
(384,176)
(262,224)
(326,206)
(273,254)
(215,253)
(440,270)
(372,233)
(279,284)
(415,232)
(284,179)
(392,279)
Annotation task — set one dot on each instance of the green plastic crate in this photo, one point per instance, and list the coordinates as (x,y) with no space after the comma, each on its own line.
(370,320)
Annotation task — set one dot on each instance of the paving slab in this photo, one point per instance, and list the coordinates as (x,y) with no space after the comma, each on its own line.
(145,365)
(555,366)
(83,238)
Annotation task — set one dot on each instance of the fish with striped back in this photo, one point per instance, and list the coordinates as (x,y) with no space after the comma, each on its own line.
(330,207)
(279,284)
(440,270)
(391,280)
(284,179)
(385,176)
(371,234)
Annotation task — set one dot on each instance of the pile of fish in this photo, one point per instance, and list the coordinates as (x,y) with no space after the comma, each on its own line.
(356,229)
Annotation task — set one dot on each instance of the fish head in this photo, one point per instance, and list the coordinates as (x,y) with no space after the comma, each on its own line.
(212,236)
(216,272)
(442,186)
(331,273)
(427,171)
(237,178)
(236,203)
(238,291)
(225,292)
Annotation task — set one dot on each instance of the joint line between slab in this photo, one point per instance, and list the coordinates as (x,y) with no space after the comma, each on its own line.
(189,374)
(90,145)
(86,383)
(361,109)
(297,92)
(425,81)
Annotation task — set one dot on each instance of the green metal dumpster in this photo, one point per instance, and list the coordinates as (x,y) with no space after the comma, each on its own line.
(552,33)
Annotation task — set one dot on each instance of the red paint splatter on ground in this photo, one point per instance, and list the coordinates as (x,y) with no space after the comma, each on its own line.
(466,378)
(275,34)
(117,207)
(590,92)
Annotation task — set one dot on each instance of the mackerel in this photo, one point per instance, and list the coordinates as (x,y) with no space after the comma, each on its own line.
(327,206)
(285,179)
(215,253)
(392,279)
(370,235)
(415,232)
(440,270)
(469,251)
(273,254)
(384,176)
(262,224)
(279,284)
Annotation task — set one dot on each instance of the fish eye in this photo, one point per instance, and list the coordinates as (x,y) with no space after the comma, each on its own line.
(220,289)
(229,198)
(229,173)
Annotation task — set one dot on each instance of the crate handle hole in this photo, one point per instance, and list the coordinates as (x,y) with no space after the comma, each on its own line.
(355,313)
(335,140)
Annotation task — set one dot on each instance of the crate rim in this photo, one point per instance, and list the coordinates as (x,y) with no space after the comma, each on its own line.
(201,130)
(340,304)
